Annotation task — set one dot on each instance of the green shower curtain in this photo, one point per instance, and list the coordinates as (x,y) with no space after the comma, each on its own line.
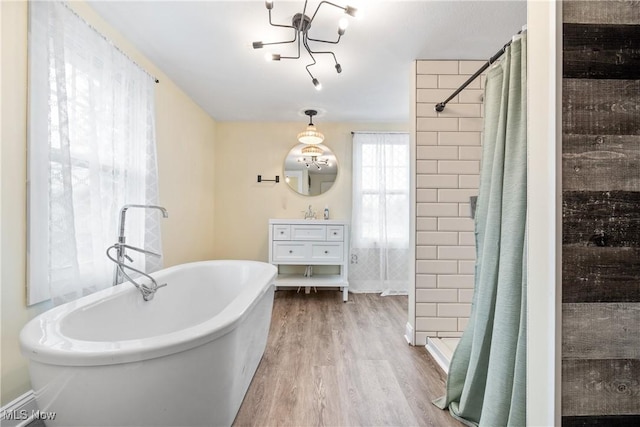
(487,374)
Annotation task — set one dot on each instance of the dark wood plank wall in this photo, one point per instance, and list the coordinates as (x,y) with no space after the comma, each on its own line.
(601,213)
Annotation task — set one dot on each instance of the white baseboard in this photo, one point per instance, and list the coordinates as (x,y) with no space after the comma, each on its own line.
(408,334)
(441,353)
(19,412)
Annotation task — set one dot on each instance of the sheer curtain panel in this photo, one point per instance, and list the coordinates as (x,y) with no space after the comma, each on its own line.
(380,213)
(91,150)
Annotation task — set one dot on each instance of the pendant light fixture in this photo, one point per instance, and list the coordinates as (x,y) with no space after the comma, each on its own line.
(312,151)
(301,23)
(311,134)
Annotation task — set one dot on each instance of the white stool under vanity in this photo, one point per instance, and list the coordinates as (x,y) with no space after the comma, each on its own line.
(311,243)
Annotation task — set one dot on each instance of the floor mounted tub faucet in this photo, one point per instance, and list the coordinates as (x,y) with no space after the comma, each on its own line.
(121,256)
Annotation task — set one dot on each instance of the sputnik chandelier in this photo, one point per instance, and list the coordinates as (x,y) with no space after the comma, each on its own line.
(301,23)
(310,157)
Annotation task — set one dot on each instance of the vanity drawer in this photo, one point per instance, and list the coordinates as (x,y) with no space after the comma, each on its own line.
(335,233)
(290,251)
(308,232)
(325,252)
(281,232)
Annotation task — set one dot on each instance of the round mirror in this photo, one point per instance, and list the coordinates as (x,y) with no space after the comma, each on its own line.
(310,170)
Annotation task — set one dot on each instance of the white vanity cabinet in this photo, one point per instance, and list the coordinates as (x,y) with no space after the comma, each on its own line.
(310,242)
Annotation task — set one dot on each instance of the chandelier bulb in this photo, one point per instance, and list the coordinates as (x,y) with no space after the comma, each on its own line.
(342,25)
(271,57)
(257,45)
(317,84)
(268,4)
(351,11)
(338,68)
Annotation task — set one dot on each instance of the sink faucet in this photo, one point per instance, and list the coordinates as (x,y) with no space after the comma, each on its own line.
(309,213)
(121,247)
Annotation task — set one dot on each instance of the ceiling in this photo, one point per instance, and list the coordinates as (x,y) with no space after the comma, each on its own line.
(205,47)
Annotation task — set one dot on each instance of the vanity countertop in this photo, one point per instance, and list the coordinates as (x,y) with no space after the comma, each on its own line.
(309,221)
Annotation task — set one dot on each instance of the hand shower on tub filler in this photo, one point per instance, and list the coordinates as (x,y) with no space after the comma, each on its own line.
(147,290)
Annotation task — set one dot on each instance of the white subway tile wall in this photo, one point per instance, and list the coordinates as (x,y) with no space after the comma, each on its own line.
(448,155)
(438,67)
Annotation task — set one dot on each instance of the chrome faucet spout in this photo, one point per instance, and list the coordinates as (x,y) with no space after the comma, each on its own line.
(309,213)
(121,245)
(123,216)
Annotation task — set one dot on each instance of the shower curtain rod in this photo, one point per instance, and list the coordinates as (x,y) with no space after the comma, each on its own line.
(439,107)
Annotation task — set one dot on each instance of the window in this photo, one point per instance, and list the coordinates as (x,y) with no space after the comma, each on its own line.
(91,150)
(381,188)
(380,214)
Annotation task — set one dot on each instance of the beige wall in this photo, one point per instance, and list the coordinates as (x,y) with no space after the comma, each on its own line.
(185,140)
(245,150)
(448,155)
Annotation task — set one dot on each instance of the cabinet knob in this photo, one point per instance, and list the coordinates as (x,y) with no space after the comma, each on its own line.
(335,233)
(326,252)
(282,232)
(290,252)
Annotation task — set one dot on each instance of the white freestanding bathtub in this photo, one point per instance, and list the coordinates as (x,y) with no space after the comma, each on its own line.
(185,358)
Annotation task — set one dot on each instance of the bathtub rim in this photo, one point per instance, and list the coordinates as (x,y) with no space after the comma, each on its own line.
(55,350)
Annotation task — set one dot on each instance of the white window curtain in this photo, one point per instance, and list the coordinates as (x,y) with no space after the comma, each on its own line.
(91,150)
(380,213)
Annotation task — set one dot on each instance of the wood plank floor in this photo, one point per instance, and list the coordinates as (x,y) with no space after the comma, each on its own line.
(330,363)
